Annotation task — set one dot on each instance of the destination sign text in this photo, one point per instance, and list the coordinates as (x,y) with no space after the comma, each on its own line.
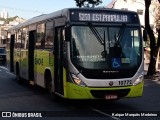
(103,17)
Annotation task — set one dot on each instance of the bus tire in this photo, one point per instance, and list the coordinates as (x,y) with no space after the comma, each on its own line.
(48,83)
(52,95)
(19,80)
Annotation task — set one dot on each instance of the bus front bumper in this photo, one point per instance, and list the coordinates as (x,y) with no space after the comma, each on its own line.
(72,91)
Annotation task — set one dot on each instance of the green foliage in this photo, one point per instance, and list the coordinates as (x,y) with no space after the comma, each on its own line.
(2,19)
(9,19)
(82,3)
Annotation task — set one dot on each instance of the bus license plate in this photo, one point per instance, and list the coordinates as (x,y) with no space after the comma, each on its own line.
(111,97)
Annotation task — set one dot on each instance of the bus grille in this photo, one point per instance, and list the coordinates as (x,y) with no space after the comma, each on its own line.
(103,93)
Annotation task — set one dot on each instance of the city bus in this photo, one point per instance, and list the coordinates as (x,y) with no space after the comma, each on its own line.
(80,53)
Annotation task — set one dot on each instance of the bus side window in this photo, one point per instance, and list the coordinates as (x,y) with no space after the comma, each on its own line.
(64,48)
(18,40)
(25,38)
(64,43)
(49,36)
(40,36)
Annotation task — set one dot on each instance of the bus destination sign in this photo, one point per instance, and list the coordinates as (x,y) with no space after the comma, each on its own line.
(115,17)
(96,17)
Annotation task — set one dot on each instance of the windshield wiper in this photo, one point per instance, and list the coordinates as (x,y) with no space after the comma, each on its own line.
(120,34)
(96,33)
(99,38)
(117,49)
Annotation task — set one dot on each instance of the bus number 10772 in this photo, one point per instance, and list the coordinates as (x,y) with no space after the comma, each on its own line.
(125,82)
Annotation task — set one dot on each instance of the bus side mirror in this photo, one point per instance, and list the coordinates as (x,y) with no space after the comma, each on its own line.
(144,35)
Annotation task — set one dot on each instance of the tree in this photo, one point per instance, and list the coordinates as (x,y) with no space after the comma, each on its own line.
(157,21)
(83,3)
(153,44)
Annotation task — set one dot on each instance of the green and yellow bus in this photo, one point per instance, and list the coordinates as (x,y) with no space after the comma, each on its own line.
(80,53)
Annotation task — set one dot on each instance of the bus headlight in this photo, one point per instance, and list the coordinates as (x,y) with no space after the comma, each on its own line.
(139,80)
(77,80)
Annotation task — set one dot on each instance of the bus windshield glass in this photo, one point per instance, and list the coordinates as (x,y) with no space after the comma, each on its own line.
(97,47)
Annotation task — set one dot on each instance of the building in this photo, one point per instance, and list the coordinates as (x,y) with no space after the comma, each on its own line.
(1,22)
(3,35)
(137,6)
(16,21)
(4,27)
(4,14)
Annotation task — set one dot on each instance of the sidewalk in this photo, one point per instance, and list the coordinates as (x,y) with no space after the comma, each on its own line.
(157,76)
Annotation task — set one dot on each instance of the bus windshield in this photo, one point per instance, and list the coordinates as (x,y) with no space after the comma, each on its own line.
(115,48)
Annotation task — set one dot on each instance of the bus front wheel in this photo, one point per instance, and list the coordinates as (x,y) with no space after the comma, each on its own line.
(18,74)
(53,96)
(49,87)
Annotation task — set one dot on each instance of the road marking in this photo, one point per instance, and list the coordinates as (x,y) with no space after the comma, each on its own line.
(10,73)
(3,67)
(103,113)
(7,71)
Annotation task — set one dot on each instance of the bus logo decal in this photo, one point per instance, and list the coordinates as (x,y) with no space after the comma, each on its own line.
(111,83)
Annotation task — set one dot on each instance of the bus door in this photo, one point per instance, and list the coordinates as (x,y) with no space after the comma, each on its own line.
(58,51)
(12,53)
(32,36)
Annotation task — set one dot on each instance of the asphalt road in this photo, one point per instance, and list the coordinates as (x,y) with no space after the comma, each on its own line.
(23,99)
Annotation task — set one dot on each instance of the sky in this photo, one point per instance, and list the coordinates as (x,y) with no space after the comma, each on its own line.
(31,8)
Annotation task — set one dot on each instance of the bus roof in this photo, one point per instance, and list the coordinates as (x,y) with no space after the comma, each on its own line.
(65,13)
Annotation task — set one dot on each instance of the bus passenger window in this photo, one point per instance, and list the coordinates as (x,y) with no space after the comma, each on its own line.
(40,36)
(18,40)
(49,35)
(25,38)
